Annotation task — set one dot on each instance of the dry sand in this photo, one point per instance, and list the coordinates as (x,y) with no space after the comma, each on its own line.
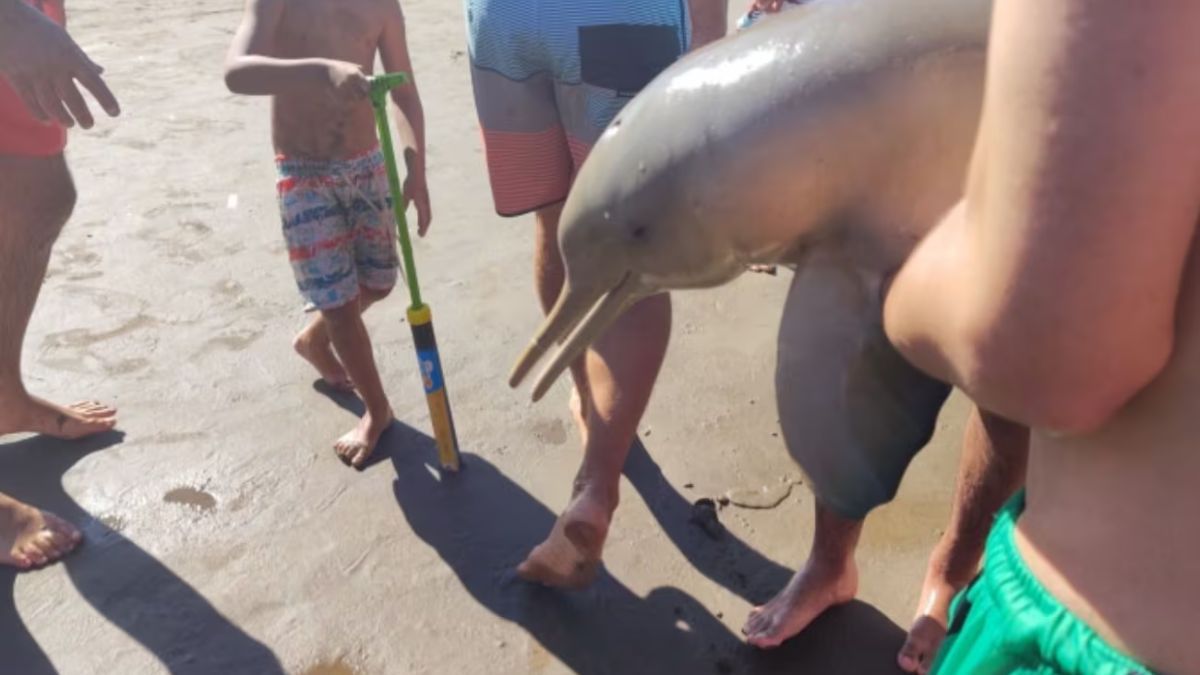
(223,536)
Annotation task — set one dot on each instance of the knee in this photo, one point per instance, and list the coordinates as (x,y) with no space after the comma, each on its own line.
(342,315)
(67,196)
(50,205)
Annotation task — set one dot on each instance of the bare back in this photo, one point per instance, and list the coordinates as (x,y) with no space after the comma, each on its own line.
(312,125)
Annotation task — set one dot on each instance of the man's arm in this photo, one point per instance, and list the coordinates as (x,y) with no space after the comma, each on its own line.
(1049,295)
(251,69)
(393,52)
(42,63)
(709,21)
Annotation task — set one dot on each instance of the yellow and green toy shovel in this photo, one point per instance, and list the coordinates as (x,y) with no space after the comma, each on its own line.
(419,316)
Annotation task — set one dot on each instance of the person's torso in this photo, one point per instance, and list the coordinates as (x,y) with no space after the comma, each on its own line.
(1112,525)
(311,124)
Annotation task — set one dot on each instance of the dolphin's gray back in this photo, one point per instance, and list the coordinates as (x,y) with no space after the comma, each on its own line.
(786,89)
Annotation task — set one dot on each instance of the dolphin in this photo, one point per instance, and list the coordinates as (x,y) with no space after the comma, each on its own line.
(830,139)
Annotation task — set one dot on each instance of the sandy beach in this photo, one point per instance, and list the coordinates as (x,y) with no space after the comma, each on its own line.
(224,536)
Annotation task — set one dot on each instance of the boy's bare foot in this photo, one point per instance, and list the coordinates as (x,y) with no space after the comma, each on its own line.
(31,414)
(317,350)
(570,556)
(810,592)
(929,627)
(356,446)
(30,537)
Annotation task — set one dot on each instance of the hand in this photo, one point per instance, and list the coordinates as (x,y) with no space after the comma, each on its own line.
(416,191)
(346,81)
(43,63)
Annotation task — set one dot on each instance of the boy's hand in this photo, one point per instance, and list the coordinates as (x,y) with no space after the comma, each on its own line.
(347,82)
(416,190)
(43,63)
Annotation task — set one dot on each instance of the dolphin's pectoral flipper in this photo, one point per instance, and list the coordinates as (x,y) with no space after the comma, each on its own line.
(853,412)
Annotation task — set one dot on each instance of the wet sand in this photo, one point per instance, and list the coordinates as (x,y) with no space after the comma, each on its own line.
(224,536)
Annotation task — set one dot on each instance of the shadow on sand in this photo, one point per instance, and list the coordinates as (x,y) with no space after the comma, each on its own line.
(482,524)
(123,583)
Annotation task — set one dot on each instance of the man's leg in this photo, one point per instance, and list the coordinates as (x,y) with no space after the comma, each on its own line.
(615,380)
(828,578)
(992,468)
(314,344)
(548,276)
(349,336)
(853,414)
(36,198)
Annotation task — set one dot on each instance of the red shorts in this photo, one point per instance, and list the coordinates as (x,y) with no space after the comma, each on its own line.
(21,134)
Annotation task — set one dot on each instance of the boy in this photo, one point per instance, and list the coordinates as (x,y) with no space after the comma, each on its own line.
(313,57)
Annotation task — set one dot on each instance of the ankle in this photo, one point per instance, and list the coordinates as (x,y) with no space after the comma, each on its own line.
(831,563)
(599,490)
(949,565)
(18,411)
(379,414)
(14,393)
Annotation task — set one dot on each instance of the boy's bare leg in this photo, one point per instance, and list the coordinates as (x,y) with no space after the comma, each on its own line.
(992,468)
(828,578)
(548,276)
(614,384)
(36,198)
(30,537)
(353,345)
(314,345)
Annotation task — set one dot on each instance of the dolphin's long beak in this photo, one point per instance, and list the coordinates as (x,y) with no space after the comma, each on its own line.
(572,308)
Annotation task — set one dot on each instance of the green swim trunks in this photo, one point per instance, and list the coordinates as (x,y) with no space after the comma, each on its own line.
(1007,622)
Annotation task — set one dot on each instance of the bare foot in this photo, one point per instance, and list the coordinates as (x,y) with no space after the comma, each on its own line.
(570,556)
(929,627)
(811,591)
(32,414)
(31,537)
(356,446)
(317,350)
(763,269)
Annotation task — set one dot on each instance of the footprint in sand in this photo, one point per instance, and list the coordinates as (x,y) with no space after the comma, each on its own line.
(234,341)
(110,317)
(553,432)
(197,227)
(76,262)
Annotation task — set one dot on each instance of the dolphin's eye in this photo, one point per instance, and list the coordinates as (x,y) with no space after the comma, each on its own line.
(639,232)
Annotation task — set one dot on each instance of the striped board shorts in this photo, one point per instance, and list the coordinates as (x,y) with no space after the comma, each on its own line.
(549,75)
(338,225)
